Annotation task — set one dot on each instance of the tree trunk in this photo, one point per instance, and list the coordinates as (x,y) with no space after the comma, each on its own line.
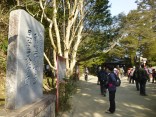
(79,36)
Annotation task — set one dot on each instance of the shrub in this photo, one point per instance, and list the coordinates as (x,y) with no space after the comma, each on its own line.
(66,90)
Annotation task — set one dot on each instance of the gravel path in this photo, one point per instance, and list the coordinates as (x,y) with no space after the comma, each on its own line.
(88,102)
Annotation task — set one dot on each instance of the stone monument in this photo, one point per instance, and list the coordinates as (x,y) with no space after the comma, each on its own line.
(24,60)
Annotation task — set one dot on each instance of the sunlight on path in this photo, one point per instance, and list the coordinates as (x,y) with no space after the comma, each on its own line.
(88,102)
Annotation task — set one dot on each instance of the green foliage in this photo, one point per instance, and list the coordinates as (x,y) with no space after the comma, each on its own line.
(2,64)
(92,47)
(3,51)
(105,30)
(98,14)
(3,45)
(138,28)
(66,90)
(4,16)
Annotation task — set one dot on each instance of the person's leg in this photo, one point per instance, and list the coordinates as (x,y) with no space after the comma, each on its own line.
(137,85)
(130,79)
(101,88)
(153,80)
(98,81)
(112,101)
(144,88)
(148,78)
(141,88)
(104,90)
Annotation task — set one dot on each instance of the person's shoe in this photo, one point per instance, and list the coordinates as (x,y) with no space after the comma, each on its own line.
(143,94)
(108,112)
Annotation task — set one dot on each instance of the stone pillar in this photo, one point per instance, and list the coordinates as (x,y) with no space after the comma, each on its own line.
(24,60)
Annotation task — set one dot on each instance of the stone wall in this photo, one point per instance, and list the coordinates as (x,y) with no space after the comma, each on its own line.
(44,107)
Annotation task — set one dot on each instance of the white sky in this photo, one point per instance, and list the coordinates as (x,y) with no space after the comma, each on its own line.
(118,6)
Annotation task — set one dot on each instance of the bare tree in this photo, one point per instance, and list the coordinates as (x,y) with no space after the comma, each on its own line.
(65,39)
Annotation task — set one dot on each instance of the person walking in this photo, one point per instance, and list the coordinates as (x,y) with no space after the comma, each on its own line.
(103,80)
(98,75)
(131,79)
(86,72)
(136,78)
(111,89)
(150,70)
(143,77)
(128,73)
(153,75)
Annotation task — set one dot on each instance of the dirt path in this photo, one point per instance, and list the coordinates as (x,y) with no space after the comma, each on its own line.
(88,102)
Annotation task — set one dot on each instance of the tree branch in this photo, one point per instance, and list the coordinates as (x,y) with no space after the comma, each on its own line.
(49,62)
(56,28)
(51,36)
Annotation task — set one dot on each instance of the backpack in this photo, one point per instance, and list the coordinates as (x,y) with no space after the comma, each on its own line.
(143,76)
(118,81)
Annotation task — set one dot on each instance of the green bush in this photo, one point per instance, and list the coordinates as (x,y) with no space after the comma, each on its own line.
(2,64)
(66,90)
(3,45)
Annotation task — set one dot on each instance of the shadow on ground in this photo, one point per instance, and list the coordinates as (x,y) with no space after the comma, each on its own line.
(88,102)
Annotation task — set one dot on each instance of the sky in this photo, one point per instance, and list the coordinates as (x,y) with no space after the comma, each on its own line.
(118,6)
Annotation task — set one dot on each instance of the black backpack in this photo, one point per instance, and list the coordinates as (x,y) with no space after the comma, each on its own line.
(118,81)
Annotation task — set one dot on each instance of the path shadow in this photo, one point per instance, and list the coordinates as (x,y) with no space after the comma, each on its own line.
(89,102)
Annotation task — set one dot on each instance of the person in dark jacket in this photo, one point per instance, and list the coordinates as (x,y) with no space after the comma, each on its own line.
(143,77)
(103,80)
(153,75)
(98,75)
(111,89)
(136,77)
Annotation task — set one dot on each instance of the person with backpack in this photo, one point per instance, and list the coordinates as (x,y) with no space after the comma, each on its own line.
(103,80)
(143,77)
(112,89)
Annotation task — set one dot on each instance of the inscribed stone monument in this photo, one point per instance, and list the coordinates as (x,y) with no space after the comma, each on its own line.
(24,60)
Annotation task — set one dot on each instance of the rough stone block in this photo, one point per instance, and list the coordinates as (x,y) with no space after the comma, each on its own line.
(24,60)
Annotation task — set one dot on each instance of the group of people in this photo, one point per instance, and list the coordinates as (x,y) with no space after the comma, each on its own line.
(140,75)
(107,79)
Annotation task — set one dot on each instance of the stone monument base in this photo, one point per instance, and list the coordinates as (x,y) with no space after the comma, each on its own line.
(44,107)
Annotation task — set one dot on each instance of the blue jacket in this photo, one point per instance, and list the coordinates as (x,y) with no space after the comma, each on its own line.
(111,82)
